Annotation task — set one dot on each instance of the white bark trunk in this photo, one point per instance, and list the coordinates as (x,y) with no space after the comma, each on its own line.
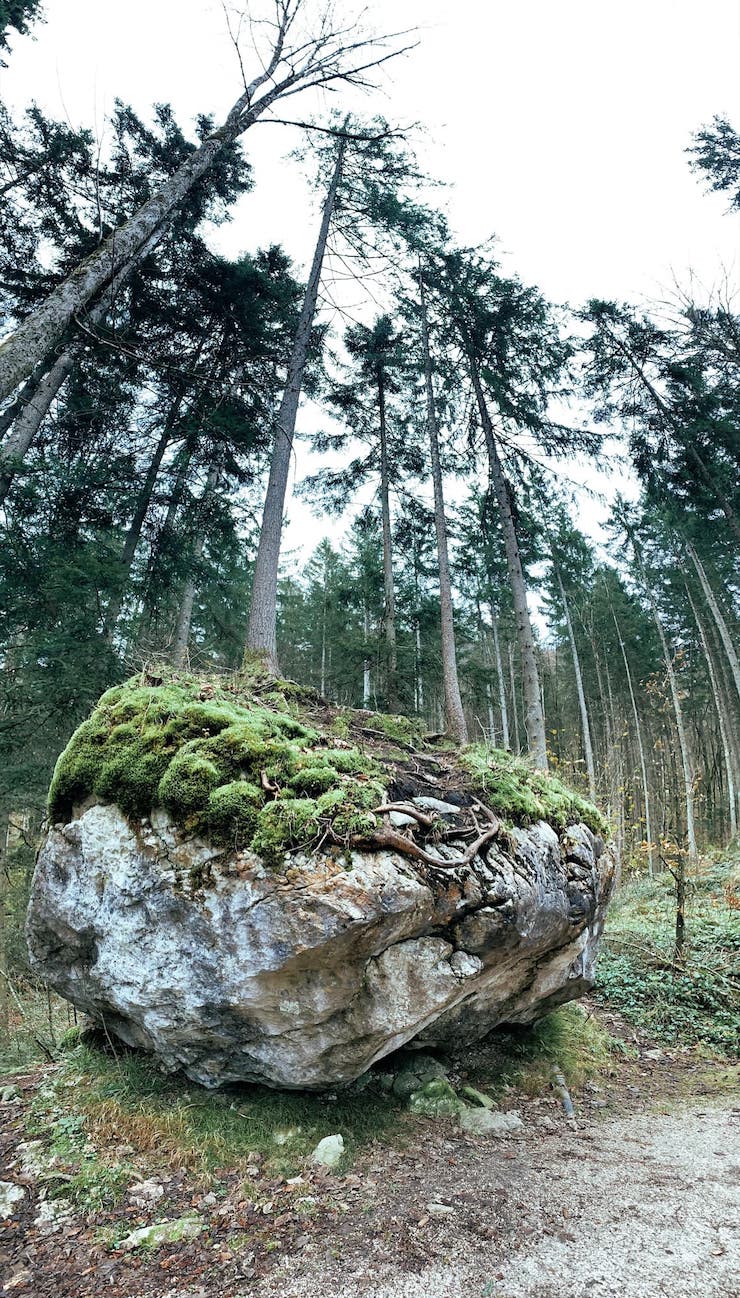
(261,635)
(491,716)
(322,687)
(366,695)
(419,678)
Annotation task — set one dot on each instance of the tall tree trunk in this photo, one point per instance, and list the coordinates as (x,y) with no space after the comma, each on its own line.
(534,718)
(514,705)
(161,540)
(719,620)
(4,893)
(419,691)
(322,686)
(728,700)
(641,751)
(683,743)
(724,737)
(185,615)
(37,405)
(585,724)
(22,398)
(501,682)
(133,532)
(24,349)
(261,635)
(491,715)
(418,674)
(366,695)
(616,766)
(455,715)
(389,614)
(26,426)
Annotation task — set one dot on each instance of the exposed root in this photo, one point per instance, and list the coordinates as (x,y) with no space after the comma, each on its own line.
(384,836)
(407,809)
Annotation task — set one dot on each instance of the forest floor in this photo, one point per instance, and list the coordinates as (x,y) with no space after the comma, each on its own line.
(637,1200)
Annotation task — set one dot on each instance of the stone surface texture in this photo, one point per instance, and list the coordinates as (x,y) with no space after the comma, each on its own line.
(306,976)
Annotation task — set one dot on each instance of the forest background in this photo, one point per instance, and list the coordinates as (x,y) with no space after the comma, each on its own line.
(538,501)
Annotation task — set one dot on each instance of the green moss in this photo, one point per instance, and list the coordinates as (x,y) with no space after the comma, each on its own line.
(353,815)
(221,762)
(232,812)
(350,761)
(129,776)
(341,724)
(401,730)
(188,782)
(521,794)
(287,822)
(228,766)
(313,780)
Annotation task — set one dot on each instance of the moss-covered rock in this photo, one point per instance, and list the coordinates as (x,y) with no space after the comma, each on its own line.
(222,762)
(435,1099)
(254,762)
(521,794)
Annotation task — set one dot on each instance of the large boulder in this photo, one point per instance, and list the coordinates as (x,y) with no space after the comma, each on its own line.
(303,967)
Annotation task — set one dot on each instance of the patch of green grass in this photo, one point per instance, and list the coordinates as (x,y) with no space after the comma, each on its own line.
(37,1028)
(221,762)
(524,1057)
(129,1100)
(695,1000)
(520,794)
(72,1166)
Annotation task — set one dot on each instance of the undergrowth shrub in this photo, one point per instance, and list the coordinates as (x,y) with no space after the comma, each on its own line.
(696,998)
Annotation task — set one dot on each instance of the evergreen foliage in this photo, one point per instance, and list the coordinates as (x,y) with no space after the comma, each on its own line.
(129,529)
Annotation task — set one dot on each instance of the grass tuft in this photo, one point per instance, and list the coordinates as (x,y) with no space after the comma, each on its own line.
(523,1057)
(109,1102)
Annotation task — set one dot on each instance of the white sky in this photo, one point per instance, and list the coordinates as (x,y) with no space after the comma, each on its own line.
(560,125)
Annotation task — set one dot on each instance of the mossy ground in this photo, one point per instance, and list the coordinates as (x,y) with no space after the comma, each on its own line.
(254,762)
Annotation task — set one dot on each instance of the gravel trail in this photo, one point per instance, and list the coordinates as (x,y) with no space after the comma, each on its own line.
(642,1207)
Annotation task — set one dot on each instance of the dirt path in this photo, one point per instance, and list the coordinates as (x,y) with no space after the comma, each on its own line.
(635,1203)
(637,1208)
